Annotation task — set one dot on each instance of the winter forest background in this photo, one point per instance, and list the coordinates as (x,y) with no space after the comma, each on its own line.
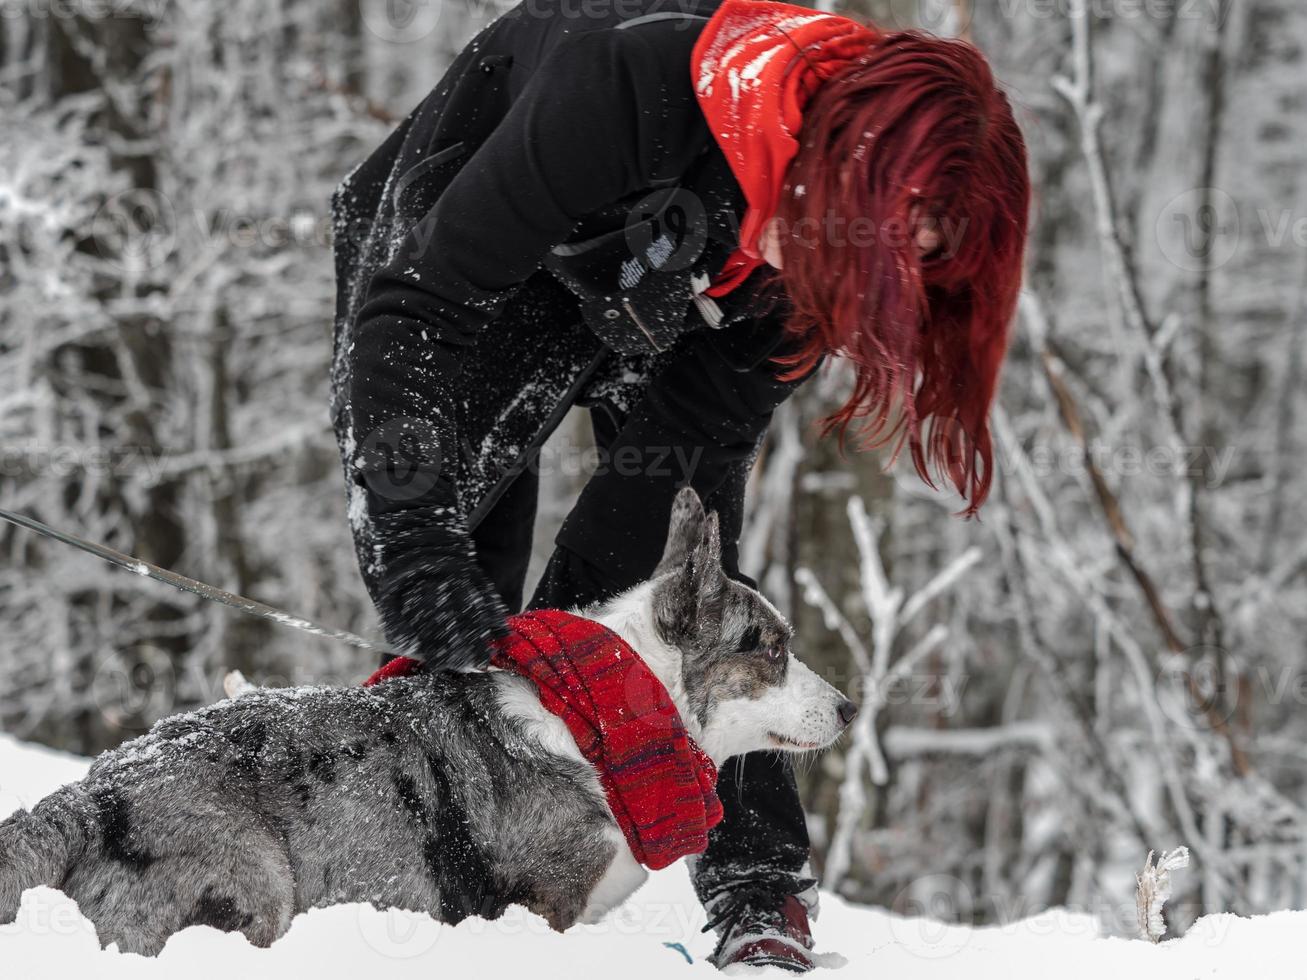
(1109,661)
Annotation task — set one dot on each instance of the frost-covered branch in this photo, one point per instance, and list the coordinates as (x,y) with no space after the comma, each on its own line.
(1078,91)
(1153,891)
(889,610)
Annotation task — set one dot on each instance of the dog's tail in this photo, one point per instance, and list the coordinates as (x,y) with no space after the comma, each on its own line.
(40,846)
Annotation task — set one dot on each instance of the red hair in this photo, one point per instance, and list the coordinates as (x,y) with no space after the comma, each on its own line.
(916,129)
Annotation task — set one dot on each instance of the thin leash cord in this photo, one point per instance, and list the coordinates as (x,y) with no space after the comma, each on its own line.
(177,581)
(797,47)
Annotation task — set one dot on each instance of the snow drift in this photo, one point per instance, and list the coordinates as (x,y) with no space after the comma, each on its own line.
(655,935)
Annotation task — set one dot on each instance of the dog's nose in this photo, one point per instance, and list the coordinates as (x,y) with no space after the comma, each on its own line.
(847,712)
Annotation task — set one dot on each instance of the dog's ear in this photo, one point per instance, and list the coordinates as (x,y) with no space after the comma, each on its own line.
(704,569)
(684,531)
(688,602)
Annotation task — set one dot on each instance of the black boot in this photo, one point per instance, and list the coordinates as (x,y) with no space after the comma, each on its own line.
(763,922)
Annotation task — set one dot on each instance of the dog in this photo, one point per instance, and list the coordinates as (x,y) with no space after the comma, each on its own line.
(453,793)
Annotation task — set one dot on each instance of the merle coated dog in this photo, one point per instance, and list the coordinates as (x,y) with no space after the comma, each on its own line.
(454,793)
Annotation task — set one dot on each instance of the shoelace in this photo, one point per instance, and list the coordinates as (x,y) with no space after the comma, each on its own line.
(756,896)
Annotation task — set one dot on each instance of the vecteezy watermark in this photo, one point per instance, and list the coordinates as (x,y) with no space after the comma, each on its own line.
(1212,463)
(33,459)
(667,230)
(1202,228)
(132,690)
(151,12)
(584,461)
(136,229)
(948,18)
(939,691)
(952,18)
(1063,458)
(568,457)
(1158,11)
(140,229)
(926,913)
(301,227)
(1197,689)
(1199,229)
(402,935)
(836,230)
(46,912)
(1205,688)
(398,934)
(402,458)
(1282,227)
(596,10)
(635,917)
(944,909)
(400,21)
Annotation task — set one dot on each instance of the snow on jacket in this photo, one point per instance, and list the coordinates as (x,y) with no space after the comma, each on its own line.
(561,163)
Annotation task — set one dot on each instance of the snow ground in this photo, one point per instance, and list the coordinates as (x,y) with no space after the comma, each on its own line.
(52,940)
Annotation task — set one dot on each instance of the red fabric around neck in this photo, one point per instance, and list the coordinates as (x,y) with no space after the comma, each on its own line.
(659,784)
(754,67)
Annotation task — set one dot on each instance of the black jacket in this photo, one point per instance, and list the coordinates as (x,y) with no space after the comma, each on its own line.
(562,164)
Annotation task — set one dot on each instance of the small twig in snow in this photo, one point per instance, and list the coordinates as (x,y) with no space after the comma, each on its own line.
(1153,890)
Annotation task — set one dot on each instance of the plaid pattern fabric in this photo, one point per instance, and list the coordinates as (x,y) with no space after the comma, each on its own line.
(660,785)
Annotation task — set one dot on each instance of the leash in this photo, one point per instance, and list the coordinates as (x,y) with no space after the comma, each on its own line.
(186,584)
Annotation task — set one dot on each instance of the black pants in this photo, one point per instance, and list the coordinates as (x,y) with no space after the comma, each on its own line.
(764,833)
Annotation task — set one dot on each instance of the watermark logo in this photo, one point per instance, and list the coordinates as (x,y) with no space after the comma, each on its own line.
(398,934)
(400,21)
(947,18)
(1194,689)
(135,230)
(402,458)
(1199,229)
(924,910)
(667,232)
(130,692)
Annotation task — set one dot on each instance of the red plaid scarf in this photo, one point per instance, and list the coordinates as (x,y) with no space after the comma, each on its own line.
(660,785)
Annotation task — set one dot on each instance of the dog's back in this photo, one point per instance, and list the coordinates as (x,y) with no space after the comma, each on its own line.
(420,793)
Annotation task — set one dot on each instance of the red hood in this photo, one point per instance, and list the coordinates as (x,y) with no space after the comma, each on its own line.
(755,66)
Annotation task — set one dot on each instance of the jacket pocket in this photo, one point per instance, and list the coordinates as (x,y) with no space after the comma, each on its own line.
(634,281)
(632,309)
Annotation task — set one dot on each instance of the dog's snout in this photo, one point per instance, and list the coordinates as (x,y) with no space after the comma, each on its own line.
(847,711)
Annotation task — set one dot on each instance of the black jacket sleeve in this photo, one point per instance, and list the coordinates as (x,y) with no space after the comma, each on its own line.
(699,423)
(593,124)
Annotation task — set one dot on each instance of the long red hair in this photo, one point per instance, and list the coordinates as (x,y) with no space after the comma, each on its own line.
(915,130)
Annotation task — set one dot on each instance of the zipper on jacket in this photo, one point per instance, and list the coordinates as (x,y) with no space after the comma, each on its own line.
(640,323)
